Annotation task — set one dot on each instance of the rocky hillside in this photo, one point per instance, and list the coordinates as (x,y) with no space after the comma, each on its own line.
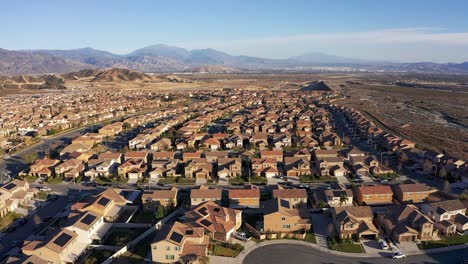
(117,74)
(168,59)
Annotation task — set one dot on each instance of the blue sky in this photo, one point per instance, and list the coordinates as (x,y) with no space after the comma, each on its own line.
(411,30)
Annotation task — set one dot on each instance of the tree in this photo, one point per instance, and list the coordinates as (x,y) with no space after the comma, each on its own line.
(159,212)
(126,126)
(30,158)
(322,204)
(91,260)
(343,199)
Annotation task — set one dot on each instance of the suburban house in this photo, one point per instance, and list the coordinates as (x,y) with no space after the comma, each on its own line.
(339,197)
(449,215)
(199,169)
(229,168)
(354,222)
(265,167)
(272,154)
(295,197)
(219,222)
(109,203)
(297,166)
(14,194)
(152,199)
(281,216)
(244,198)
(411,193)
(175,241)
(205,194)
(43,167)
(71,169)
(111,129)
(373,195)
(89,226)
(62,248)
(406,223)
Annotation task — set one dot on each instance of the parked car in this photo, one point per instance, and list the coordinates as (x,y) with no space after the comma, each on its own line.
(383,244)
(398,255)
(241,236)
(45,189)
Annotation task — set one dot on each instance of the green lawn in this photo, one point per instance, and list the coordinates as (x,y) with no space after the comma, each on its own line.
(170,180)
(56,179)
(185,181)
(121,236)
(98,256)
(388,176)
(232,251)
(42,195)
(447,241)
(310,237)
(350,248)
(138,253)
(236,181)
(312,178)
(8,219)
(31,179)
(144,217)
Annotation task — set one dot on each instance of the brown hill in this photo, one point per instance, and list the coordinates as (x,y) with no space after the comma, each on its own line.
(14,62)
(86,73)
(117,74)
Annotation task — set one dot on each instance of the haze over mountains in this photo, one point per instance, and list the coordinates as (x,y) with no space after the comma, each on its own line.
(163,58)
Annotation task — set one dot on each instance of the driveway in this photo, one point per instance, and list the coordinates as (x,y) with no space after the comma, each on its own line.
(372,246)
(342,179)
(132,180)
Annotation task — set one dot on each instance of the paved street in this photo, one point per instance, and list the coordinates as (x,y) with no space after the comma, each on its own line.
(292,254)
(15,163)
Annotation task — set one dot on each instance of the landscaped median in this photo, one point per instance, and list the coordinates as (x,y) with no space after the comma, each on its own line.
(445,242)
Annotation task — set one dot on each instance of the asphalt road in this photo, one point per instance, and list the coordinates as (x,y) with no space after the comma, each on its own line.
(292,254)
(16,163)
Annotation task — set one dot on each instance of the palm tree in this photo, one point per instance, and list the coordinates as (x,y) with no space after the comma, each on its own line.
(343,199)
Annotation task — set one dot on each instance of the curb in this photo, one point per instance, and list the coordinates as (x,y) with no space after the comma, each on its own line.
(240,258)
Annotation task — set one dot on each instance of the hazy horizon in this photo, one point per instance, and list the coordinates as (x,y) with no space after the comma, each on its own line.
(402,31)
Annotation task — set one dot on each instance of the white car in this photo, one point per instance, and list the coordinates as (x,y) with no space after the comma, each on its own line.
(45,189)
(383,244)
(241,236)
(398,255)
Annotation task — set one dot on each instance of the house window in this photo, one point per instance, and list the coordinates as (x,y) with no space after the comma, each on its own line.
(283,218)
(154,247)
(286,226)
(169,257)
(350,226)
(168,248)
(295,199)
(177,248)
(195,199)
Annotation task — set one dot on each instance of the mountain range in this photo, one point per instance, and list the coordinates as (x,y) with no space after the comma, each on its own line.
(163,59)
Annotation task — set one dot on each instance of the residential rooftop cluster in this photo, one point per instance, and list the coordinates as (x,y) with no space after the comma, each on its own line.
(184,175)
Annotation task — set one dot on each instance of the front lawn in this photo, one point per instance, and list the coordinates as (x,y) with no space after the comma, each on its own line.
(386,176)
(185,181)
(350,248)
(313,178)
(227,250)
(236,181)
(31,179)
(55,179)
(345,245)
(445,242)
(310,237)
(42,195)
(8,219)
(169,180)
